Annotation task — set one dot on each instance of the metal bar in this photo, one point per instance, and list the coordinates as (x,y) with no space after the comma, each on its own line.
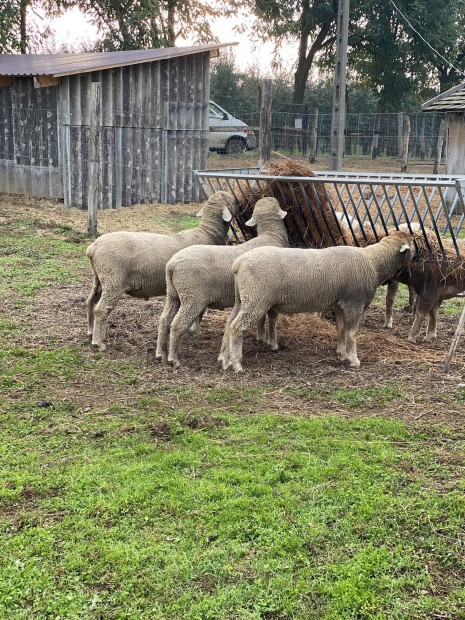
(357,217)
(344,209)
(368,215)
(438,235)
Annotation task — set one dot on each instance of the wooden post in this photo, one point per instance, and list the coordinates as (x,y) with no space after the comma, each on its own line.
(314,137)
(405,141)
(376,132)
(264,139)
(455,341)
(422,143)
(94,159)
(441,136)
(338,120)
(400,127)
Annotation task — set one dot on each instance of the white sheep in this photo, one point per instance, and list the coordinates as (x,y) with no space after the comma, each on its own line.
(200,276)
(134,262)
(341,279)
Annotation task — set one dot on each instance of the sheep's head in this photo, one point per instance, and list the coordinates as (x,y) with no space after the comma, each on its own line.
(405,242)
(266,207)
(221,202)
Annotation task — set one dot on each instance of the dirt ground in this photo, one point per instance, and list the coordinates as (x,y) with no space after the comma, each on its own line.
(303,376)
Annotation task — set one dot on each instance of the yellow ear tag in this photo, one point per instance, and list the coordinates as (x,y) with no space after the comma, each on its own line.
(227,215)
(404,247)
(282,214)
(200,213)
(252,221)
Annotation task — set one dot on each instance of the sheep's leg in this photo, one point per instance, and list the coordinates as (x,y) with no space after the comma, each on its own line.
(91,302)
(341,340)
(392,288)
(432,329)
(195,327)
(243,322)
(261,331)
(223,356)
(166,319)
(412,300)
(186,315)
(106,304)
(272,331)
(424,307)
(352,316)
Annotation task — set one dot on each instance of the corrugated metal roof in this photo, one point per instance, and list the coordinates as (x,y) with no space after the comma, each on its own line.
(57,65)
(452,100)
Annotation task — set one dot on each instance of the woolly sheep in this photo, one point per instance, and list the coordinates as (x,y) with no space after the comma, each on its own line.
(341,279)
(134,262)
(200,276)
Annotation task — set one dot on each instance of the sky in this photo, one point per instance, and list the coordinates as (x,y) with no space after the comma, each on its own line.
(73,26)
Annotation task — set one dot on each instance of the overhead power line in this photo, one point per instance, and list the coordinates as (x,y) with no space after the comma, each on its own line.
(423,39)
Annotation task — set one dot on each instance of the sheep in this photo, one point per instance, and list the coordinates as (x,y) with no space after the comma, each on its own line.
(433,283)
(341,279)
(200,276)
(134,262)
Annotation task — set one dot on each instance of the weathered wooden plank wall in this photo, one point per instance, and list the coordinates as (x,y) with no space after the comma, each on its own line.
(154,132)
(29,140)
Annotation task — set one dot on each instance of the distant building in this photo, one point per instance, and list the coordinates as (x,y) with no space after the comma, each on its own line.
(452,102)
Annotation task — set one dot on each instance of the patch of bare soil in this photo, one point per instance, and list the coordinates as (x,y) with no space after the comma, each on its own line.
(304,376)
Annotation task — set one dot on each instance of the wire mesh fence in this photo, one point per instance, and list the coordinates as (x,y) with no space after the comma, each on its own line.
(34,141)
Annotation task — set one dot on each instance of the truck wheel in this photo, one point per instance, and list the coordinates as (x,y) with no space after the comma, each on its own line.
(235,146)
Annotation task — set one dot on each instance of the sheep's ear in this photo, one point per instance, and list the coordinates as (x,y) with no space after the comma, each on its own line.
(200,213)
(227,215)
(404,247)
(252,221)
(282,214)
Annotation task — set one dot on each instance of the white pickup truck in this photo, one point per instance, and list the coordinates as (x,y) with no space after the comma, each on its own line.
(233,140)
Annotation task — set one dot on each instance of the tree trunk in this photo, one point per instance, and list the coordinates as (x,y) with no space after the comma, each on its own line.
(304,63)
(23,26)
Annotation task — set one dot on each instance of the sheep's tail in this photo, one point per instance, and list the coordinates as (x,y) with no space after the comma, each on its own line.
(90,251)
(171,292)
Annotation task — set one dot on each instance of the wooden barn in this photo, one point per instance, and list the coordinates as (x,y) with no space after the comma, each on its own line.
(452,103)
(153,130)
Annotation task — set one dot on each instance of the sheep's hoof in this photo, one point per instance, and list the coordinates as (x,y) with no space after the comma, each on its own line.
(237,367)
(100,346)
(429,338)
(174,363)
(412,339)
(162,358)
(388,325)
(274,346)
(355,364)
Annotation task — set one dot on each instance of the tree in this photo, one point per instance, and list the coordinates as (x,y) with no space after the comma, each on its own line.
(18,33)
(141,24)
(391,47)
(310,23)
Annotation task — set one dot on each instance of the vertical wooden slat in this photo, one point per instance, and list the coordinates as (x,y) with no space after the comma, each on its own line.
(118,121)
(94,158)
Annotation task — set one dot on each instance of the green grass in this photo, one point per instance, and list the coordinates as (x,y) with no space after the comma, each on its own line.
(178,503)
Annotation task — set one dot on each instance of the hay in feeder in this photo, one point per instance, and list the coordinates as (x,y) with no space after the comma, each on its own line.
(311,221)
